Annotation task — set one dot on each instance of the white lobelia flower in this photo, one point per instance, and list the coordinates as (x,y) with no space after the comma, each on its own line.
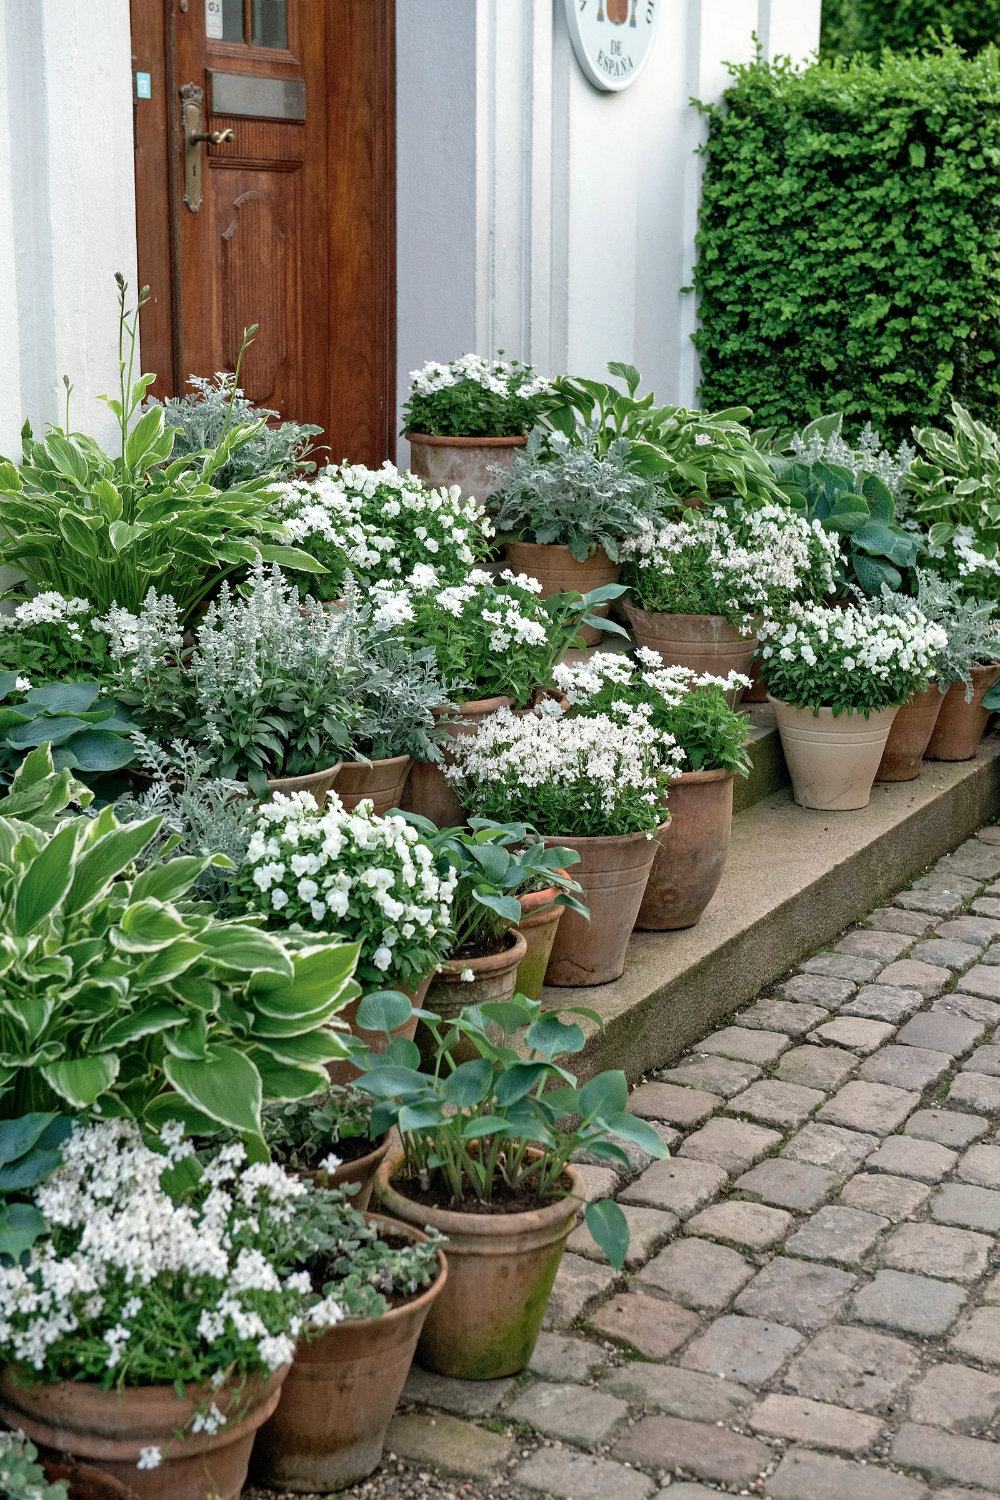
(149,1458)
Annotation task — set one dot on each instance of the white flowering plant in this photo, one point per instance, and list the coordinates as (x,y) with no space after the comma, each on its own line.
(850,660)
(569,776)
(732,562)
(475,397)
(701,732)
(49,637)
(380,524)
(368,878)
(971,626)
(496,635)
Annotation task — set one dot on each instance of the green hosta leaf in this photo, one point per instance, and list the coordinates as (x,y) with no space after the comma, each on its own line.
(78,535)
(247,949)
(167,880)
(99,750)
(66,458)
(518,1081)
(551,1037)
(872,573)
(274,1027)
(469,1084)
(226,1086)
(385,1011)
(312,1048)
(940,533)
(20,1226)
(316,978)
(290,557)
(19,1136)
(29,1170)
(43,729)
(607,1094)
(609,1227)
(146,926)
(170,1106)
(629,1128)
(143,436)
(281,1081)
(82,1080)
(189,1040)
(160,1016)
(45,882)
(167,965)
(106,859)
(992,699)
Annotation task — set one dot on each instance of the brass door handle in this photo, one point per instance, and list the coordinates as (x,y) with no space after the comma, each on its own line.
(191,127)
(216,137)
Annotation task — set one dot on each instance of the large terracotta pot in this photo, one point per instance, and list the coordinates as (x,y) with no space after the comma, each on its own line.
(428,791)
(691,852)
(500,1272)
(832,759)
(493,978)
(317,782)
(910,735)
(960,725)
(704,643)
(344,1071)
(465,461)
(360,1171)
(613,872)
(341,1392)
(383,781)
(109,1429)
(538,926)
(558,571)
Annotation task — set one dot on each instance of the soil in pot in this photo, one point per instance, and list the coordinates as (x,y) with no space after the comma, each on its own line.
(538,925)
(960,725)
(703,643)
(346,1072)
(466,461)
(428,791)
(613,873)
(108,1429)
(341,1392)
(360,1159)
(501,1267)
(910,735)
(493,979)
(691,852)
(832,758)
(559,572)
(383,781)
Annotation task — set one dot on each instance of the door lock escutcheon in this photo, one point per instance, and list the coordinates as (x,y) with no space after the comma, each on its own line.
(192,97)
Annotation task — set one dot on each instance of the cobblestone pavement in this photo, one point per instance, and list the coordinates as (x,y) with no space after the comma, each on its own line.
(811,1307)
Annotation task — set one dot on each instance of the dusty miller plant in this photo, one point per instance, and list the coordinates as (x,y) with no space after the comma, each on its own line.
(199,420)
(971,626)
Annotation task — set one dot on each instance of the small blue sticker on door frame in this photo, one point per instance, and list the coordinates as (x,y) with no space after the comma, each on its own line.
(143,86)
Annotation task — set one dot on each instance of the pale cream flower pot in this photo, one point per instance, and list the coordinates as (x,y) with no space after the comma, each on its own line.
(832,759)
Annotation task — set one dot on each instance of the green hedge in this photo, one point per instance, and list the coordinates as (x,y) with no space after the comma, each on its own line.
(850,240)
(869,25)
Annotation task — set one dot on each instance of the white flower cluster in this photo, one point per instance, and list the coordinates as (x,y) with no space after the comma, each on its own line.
(853,640)
(968,559)
(127,1233)
(584,680)
(498,376)
(50,608)
(478,599)
(320,858)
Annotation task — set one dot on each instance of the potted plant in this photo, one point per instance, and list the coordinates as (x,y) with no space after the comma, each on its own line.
(21,1475)
(699,584)
(563,510)
(464,418)
(150,1331)
(327,1138)
(339,1396)
(701,751)
(594,785)
(837,679)
(485,1160)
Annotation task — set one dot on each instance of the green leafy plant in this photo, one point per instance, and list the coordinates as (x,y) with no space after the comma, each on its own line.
(869,25)
(200,420)
(80,522)
(970,626)
(503,1118)
(474,397)
(29,1153)
(303,1134)
(116,991)
(63,714)
(21,1475)
(955,489)
(49,638)
(811,300)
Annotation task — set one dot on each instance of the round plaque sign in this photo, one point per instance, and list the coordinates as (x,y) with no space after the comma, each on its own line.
(612,38)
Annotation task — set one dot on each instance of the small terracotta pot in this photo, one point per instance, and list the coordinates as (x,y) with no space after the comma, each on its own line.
(341,1392)
(345,1072)
(500,1272)
(558,571)
(383,781)
(757,691)
(317,782)
(465,461)
(832,759)
(704,643)
(108,1429)
(613,872)
(493,979)
(538,926)
(428,791)
(85,1482)
(362,1171)
(910,735)
(691,852)
(960,725)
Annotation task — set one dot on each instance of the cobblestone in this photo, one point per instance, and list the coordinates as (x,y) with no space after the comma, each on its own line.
(804,1421)
(973,930)
(947,1456)
(983,1060)
(977,1092)
(884,1002)
(973,1207)
(716,1075)
(905,1156)
(467,1398)
(872,1108)
(798,1292)
(906,1067)
(942,882)
(803,1475)
(910,974)
(892,919)
(942,953)
(671,1443)
(679,1393)
(886,946)
(842,966)
(830,1146)
(750,1224)
(978,1336)
(559,1357)
(447,1444)
(788,1184)
(986,906)
(956,1397)
(815,990)
(935,1250)
(732,1144)
(783,1015)
(853,1367)
(743,1349)
(695,1274)
(980,1165)
(946,1126)
(598,1182)
(934,903)
(653,1325)
(579,1476)
(578,1282)
(845,1235)
(859,1035)
(909,1304)
(776,1103)
(824,1068)
(573,1413)
(676,1106)
(745,1045)
(958,1004)
(895,1197)
(648,1228)
(677,1186)
(941,1033)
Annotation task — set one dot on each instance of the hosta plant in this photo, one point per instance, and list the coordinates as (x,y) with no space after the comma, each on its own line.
(87,731)
(312,1135)
(30,1151)
(475,397)
(502,1119)
(126,996)
(850,660)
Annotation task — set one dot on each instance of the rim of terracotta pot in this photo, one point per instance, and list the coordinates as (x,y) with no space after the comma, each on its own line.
(594,559)
(369,765)
(508,958)
(432,441)
(481,706)
(675,614)
(487,1226)
(693,778)
(572,839)
(347,1169)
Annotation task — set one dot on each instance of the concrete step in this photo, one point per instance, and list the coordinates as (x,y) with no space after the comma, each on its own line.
(769,772)
(794,879)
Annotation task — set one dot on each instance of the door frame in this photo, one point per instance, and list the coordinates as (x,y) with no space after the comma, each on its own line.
(361,108)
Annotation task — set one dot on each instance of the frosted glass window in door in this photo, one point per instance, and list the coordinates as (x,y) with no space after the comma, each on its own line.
(270,23)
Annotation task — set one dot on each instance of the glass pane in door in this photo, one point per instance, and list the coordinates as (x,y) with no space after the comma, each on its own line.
(270,23)
(232,21)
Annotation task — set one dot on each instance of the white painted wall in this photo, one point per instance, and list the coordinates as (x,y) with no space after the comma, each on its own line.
(539,215)
(67,208)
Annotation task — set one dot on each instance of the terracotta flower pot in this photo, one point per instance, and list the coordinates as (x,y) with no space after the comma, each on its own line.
(910,735)
(383,781)
(344,1071)
(341,1392)
(317,782)
(85,1482)
(538,926)
(960,725)
(465,461)
(757,691)
(558,571)
(109,1429)
(704,643)
(361,1171)
(613,872)
(500,1272)
(428,791)
(832,759)
(691,852)
(493,979)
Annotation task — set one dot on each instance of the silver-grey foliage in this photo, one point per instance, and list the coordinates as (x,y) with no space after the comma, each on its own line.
(971,626)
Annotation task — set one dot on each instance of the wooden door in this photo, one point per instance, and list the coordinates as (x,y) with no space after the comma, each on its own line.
(291,226)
